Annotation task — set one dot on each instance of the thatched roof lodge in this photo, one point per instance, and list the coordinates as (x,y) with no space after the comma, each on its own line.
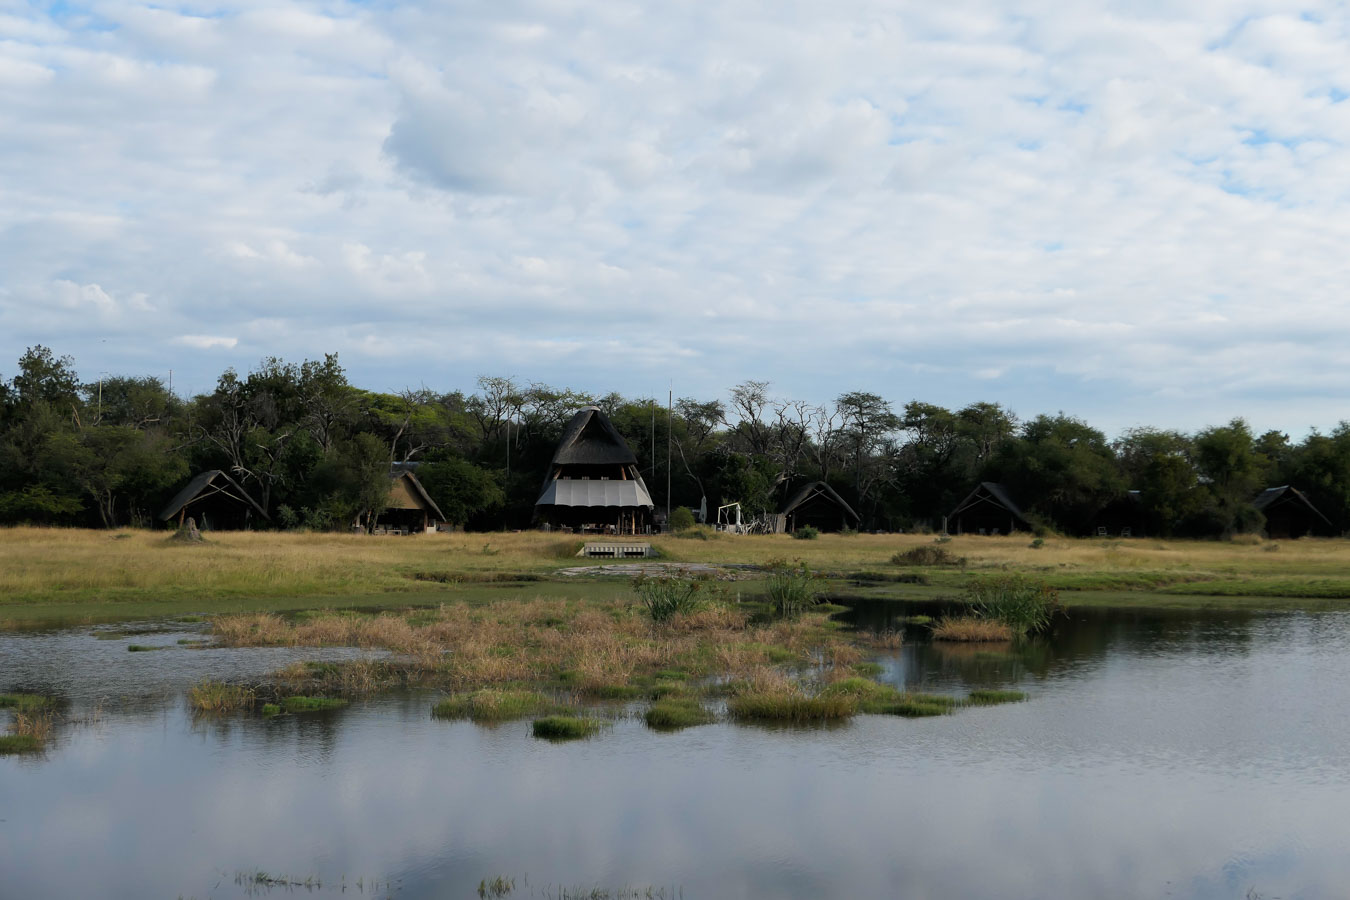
(1290,514)
(408,508)
(818,505)
(216,501)
(988,509)
(593,485)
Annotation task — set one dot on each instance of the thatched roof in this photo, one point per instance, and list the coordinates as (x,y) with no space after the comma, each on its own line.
(590,439)
(205,484)
(815,489)
(404,471)
(990,492)
(1287,494)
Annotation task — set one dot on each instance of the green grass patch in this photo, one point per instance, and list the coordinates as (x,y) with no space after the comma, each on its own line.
(677,712)
(565,728)
(868,669)
(798,709)
(490,705)
(271,709)
(989,697)
(146,648)
(19,743)
(25,702)
(311,704)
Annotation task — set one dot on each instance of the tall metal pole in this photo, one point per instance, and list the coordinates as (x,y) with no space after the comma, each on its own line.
(670,406)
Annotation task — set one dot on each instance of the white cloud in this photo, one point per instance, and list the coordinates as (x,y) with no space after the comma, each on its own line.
(205,341)
(1129,198)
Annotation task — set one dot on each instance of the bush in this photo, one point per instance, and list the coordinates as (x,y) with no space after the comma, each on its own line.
(792,590)
(1023,604)
(667,597)
(927,555)
(806,533)
(681,519)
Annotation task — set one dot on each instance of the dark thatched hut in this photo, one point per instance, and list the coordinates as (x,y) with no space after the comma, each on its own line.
(1290,514)
(593,485)
(818,505)
(987,510)
(216,501)
(408,508)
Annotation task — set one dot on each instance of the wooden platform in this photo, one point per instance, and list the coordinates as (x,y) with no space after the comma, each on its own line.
(617,550)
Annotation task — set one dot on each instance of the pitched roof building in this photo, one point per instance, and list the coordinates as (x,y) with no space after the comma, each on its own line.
(593,484)
(989,509)
(818,505)
(1290,514)
(216,501)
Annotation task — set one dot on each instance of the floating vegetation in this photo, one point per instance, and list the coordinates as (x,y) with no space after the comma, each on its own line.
(490,705)
(146,648)
(25,702)
(271,709)
(311,704)
(566,728)
(218,697)
(497,887)
(19,743)
(988,697)
(773,697)
(677,712)
(971,630)
(868,669)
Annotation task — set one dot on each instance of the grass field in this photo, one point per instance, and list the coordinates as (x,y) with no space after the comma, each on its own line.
(72,576)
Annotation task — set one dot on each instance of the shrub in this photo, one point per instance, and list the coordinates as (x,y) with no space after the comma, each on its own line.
(681,519)
(927,555)
(806,533)
(666,597)
(1037,543)
(1023,604)
(792,590)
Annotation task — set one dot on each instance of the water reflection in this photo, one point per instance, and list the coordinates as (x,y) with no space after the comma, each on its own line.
(1185,756)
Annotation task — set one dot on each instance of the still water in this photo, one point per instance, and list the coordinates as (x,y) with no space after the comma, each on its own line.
(1191,756)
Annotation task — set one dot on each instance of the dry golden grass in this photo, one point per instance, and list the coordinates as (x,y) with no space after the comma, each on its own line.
(592,647)
(967,629)
(83,575)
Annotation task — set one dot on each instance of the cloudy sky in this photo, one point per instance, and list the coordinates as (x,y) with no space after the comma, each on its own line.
(1135,212)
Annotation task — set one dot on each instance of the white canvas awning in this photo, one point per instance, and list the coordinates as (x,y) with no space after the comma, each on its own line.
(565,492)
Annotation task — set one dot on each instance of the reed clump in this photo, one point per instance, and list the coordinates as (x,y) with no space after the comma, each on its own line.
(219,697)
(673,713)
(793,590)
(489,705)
(969,629)
(301,704)
(565,728)
(1024,604)
(990,697)
(770,696)
(25,702)
(666,597)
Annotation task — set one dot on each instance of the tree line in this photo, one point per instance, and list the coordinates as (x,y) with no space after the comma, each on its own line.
(315,450)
